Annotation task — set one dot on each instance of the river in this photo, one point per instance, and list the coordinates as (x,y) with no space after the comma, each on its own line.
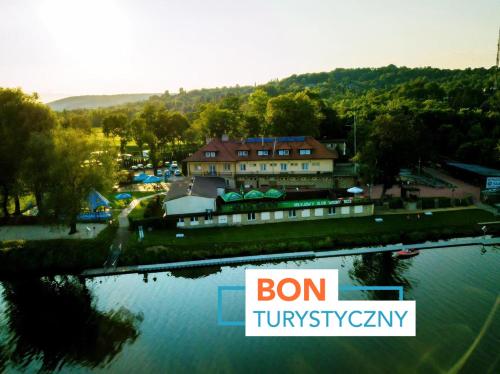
(167,322)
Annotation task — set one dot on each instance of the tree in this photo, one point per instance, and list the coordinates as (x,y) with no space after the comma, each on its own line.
(160,127)
(215,122)
(21,116)
(80,120)
(117,124)
(81,165)
(138,131)
(292,114)
(391,145)
(36,167)
(257,104)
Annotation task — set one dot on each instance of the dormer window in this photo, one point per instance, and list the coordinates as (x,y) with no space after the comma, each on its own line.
(243,153)
(210,154)
(262,152)
(304,152)
(283,152)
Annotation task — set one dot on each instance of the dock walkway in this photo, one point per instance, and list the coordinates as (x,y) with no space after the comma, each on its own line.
(482,240)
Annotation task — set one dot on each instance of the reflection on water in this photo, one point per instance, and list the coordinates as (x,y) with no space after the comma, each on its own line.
(381,269)
(55,320)
(169,323)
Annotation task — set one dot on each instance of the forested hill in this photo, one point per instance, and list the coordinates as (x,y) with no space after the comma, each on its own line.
(96,101)
(334,85)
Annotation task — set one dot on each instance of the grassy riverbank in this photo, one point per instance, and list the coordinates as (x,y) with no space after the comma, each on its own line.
(64,255)
(163,246)
(55,256)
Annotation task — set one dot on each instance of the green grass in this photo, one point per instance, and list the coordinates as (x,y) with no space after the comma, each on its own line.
(318,228)
(24,200)
(162,245)
(56,256)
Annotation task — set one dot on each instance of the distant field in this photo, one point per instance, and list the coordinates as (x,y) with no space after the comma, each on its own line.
(96,101)
(99,135)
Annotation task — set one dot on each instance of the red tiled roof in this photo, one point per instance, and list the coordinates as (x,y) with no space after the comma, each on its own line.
(228,151)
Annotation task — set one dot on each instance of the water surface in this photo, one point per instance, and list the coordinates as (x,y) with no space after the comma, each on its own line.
(167,322)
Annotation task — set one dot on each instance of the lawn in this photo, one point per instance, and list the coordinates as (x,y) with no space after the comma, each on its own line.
(162,245)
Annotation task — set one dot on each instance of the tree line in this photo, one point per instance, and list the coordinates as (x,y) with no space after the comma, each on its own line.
(403,117)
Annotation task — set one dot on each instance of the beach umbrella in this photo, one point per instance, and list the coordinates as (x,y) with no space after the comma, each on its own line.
(123,196)
(254,194)
(355,190)
(273,193)
(231,196)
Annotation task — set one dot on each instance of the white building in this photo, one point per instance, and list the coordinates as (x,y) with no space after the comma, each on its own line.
(193,197)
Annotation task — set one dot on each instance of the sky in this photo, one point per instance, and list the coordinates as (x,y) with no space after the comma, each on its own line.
(61,48)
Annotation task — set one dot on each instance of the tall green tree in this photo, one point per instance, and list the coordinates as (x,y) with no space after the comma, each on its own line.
(81,165)
(117,124)
(21,116)
(293,114)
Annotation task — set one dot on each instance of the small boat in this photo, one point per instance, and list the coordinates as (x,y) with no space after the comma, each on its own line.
(409,252)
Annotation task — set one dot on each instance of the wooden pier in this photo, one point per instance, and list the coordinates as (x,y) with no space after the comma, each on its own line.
(482,240)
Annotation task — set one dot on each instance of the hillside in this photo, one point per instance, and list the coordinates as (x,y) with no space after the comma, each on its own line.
(96,101)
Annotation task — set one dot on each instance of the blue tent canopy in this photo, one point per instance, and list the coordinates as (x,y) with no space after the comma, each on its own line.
(96,200)
(141,177)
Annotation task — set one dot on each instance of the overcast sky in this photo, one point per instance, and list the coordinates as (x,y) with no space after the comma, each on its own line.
(73,47)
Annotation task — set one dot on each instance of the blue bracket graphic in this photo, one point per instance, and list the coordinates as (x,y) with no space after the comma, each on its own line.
(221,289)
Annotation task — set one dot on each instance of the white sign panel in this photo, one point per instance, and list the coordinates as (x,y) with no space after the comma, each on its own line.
(492,182)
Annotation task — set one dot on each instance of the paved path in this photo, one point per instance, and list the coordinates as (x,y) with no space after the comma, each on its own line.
(47,232)
(482,240)
(461,190)
(123,217)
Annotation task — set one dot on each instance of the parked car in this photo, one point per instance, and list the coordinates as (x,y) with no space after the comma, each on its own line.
(134,167)
(167,173)
(149,166)
(177,173)
(140,166)
(159,173)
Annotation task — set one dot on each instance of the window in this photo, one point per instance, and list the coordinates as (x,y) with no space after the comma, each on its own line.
(358,209)
(242,153)
(304,152)
(283,167)
(263,152)
(243,167)
(331,211)
(210,154)
(180,222)
(208,215)
(212,169)
(292,213)
(283,152)
(197,167)
(305,166)
(227,167)
(262,167)
(194,219)
(251,216)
